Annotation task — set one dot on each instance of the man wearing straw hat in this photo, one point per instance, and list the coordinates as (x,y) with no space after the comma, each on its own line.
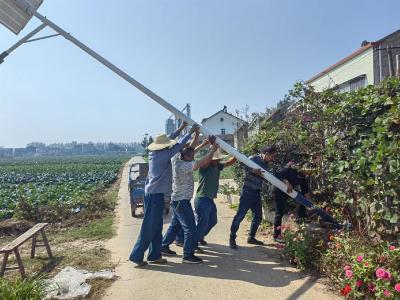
(207,190)
(158,184)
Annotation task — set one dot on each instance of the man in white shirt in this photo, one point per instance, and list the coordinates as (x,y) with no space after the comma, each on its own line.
(183,165)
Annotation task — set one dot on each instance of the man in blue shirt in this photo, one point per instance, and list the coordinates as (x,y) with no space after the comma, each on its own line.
(250,196)
(158,184)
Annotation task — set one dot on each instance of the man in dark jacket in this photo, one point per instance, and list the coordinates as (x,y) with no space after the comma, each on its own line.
(250,196)
(297,179)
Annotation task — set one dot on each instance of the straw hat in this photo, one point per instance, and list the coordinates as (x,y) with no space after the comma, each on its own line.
(161,142)
(218,155)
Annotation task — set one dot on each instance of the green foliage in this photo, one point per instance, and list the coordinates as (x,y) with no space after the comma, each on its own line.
(302,248)
(227,189)
(351,143)
(51,189)
(27,289)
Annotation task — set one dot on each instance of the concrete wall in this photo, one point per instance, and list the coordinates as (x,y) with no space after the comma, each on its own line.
(363,64)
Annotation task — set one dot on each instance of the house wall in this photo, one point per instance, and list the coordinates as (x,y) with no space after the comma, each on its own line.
(391,40)
(229,123)
(362,64)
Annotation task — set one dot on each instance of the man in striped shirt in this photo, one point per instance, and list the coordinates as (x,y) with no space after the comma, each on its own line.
(250,196)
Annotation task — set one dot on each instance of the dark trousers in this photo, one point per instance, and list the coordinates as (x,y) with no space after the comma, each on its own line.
(182,220)
(249,199)
(206,212)
(150,235)
(280,199)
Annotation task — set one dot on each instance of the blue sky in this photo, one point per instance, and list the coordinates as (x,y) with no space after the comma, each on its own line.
(209,53)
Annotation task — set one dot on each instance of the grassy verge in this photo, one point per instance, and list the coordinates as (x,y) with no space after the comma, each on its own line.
(77,242)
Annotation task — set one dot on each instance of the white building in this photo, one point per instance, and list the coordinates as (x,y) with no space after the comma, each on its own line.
(222,122)
(368,65)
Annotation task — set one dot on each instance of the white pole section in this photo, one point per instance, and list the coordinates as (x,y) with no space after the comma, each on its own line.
(232,151)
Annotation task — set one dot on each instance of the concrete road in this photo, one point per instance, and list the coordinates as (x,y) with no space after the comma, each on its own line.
(251,272)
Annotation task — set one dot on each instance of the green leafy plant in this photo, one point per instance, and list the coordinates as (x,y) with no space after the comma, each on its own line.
(23,289)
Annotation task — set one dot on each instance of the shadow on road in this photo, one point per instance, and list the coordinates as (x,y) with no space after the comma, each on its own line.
(245,264)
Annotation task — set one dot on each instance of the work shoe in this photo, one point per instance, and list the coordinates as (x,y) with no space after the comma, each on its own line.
(203,242)
(160,261)
(232,244)
(254,241)
(179,244)
(140,264)
(198,250)
(192,260)
(279,239)
(167,252)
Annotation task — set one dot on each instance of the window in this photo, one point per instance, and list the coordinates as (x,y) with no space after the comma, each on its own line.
(357,83)
(222,119)
(223,131)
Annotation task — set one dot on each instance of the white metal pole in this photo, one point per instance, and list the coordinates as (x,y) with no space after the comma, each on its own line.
(21,41)
(232,151)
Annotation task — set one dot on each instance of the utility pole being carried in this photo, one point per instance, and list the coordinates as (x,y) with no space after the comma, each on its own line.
(15,14)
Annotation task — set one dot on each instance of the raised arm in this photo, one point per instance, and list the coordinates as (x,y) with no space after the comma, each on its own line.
(174,135)
(230,162)
(181,143)
(195,139)
(206,160)
(210,140)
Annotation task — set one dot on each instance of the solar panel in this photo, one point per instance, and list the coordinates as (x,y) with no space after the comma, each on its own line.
(13,17)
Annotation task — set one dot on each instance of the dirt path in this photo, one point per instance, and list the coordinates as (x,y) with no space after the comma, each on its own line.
(252,272)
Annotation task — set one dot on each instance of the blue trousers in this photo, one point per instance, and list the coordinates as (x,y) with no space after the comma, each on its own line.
(150,236)
(179,236)
(249,199)
(206,212)
(182,219)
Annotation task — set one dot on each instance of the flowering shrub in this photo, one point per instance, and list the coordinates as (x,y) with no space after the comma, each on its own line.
(350,144)
(302,248)
(365,270)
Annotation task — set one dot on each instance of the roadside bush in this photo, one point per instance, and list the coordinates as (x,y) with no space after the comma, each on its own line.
(302,248)
(351,144)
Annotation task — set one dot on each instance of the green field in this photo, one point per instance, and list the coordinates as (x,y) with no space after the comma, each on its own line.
(39,186)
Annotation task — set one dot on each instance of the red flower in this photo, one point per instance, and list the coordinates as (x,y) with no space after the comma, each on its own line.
(391,248)
(346,290)
(359,283)
(366,264)
(371,287)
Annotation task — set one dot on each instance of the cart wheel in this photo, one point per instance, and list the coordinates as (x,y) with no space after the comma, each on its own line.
(133,209)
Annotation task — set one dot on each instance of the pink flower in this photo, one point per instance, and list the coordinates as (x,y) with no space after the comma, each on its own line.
(387,293)
(391,248)
(359,283)
(360,258)
(380,273)
(349,273)
(397,287)
(371,287)
(366,264)
(388,276)
(346,267)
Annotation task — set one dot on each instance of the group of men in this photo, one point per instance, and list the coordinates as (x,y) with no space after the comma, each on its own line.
(171,165)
